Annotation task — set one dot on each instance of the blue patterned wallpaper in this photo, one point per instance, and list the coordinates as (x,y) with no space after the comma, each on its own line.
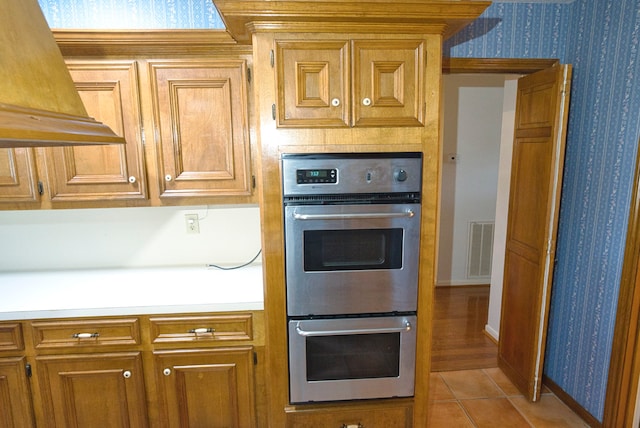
(600,38)
(131,14)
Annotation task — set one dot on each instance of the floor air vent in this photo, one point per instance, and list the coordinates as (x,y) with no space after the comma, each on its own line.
(480,249)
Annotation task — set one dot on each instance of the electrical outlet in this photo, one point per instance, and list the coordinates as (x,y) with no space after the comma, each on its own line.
(192,223)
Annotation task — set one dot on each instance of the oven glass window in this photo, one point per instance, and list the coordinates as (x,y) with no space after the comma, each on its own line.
(352,249)
(358,356)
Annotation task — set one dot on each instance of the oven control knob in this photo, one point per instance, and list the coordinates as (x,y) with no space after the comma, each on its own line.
(400,175)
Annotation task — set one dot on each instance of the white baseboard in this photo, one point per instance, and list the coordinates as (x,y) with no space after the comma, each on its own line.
(492,332)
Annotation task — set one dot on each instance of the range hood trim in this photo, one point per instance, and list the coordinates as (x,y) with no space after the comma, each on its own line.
(27,127)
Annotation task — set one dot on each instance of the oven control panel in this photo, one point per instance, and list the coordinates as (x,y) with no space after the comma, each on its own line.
(307,176)
(351,173)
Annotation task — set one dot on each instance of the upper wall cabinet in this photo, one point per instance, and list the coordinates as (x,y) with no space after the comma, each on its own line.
(109,91)
(201,117)
(343,83)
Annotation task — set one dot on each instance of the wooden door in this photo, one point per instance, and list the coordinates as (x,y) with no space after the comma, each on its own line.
(388,82)
(109,91)
(202,122)
(93,390)
(15,395)
(211,388)
(536,179)
(313,84)
(18,178)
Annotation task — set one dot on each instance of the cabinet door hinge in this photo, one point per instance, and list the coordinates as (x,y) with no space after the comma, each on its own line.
(273,111)
(27,370)
(249,74)
(272,58)
(253,181)
(255,358)
(40,188)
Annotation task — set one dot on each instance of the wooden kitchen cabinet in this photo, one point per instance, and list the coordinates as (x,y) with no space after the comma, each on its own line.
(18,177)
(201,117)
(110,93)
(206,387)
(357,416)
(345,83)
(91,390)
(16,410)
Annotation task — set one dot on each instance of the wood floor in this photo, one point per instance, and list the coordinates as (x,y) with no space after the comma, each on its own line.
(459,341)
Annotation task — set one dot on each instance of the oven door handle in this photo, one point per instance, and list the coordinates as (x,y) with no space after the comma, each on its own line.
(407,213)
(301,332)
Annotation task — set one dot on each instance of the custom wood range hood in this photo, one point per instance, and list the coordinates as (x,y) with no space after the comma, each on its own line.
(39,104)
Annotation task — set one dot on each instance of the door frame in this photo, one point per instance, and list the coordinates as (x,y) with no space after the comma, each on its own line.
(624,369)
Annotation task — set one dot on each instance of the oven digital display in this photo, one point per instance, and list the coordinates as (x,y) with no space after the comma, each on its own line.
(308,176)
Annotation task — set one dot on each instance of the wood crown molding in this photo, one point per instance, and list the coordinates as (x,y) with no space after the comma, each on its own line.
(240,16)
(101,43)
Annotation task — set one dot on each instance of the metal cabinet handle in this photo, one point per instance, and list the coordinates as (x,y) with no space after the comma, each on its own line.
(86,335)
(301,332)
(407,213)
(202,330)
(352,425)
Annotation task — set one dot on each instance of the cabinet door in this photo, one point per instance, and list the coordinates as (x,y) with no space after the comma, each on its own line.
(202,125)
(211,388)
(93,390)
(388,82)
(109,91)
(313,84)
(15,396)
(18,182)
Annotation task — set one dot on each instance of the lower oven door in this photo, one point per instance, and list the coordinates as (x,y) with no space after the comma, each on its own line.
(351,358)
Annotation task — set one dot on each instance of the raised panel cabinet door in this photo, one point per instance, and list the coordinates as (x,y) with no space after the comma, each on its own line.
(387,416)
(18,180)
(388,82)
(15,396)
(109,91)
(93,390)
(201,120)
(212,388)
(313,87)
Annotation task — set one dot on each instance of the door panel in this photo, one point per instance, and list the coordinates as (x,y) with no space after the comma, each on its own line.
(17,176)
(536,177)
(15,395)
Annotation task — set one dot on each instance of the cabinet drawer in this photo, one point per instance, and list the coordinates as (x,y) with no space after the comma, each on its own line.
(206,328)
(11,337)
(86,333)
(395,416)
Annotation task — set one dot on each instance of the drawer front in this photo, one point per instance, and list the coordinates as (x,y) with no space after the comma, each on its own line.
(206,328)
(86,333)
(11,337)
(375,417)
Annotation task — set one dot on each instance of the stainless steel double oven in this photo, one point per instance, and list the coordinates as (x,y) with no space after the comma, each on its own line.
(352,233)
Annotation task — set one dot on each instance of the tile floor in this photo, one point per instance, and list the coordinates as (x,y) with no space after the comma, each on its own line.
(486,398)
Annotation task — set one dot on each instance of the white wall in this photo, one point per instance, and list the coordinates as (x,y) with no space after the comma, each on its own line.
(472,130)
(126,237)
(502,206)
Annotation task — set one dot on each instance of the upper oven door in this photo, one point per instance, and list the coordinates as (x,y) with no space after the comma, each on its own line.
(351,259)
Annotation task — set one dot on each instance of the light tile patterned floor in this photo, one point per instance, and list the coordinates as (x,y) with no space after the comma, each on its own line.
(486,398)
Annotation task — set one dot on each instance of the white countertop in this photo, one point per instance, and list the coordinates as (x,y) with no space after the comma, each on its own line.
(102,292)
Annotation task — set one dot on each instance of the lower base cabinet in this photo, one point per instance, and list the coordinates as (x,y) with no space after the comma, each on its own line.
(210,388)
(15,397)
(96,390)
(354,416)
